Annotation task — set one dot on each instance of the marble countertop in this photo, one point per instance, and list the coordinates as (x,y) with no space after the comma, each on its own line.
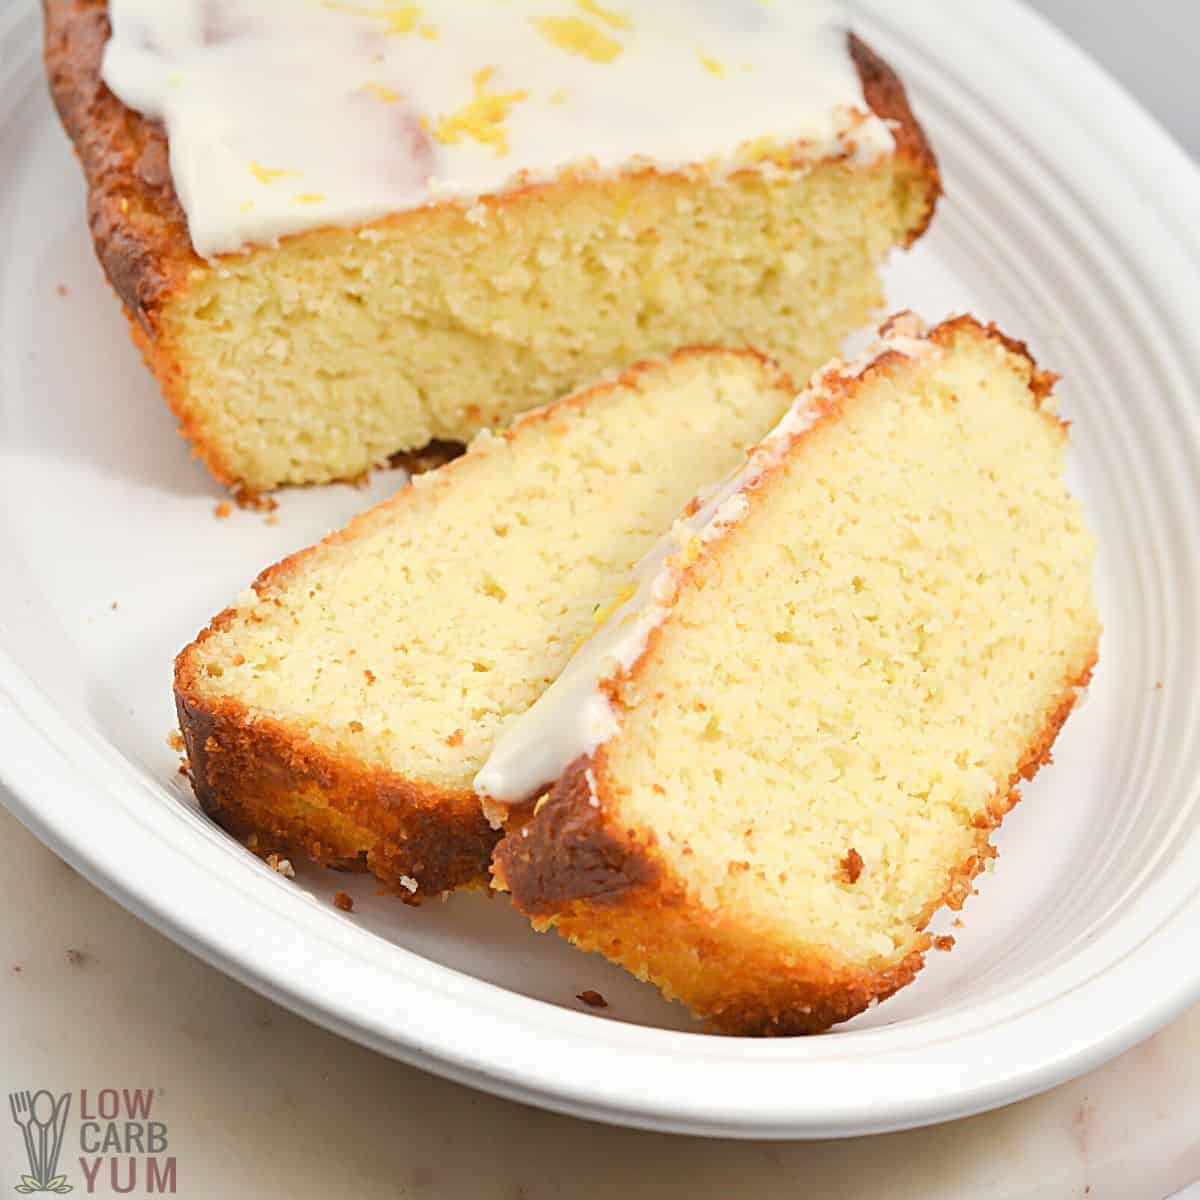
(258,1102)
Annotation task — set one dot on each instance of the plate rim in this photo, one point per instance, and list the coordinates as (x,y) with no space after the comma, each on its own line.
(1127,134)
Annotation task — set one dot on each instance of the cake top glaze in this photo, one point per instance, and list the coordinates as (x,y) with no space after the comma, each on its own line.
(288,115)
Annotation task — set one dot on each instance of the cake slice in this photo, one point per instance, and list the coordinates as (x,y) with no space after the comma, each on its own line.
(341,707)
(341,231)
(787,750)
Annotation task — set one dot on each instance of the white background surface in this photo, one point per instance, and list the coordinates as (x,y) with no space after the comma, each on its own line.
(1151,46)
(260,1103)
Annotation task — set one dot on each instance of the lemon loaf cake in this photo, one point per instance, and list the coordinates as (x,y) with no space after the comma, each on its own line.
(340,709)
(341,231)
(786,751)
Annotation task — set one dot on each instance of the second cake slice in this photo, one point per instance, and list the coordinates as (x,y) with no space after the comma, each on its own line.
(787,750)
(340,709)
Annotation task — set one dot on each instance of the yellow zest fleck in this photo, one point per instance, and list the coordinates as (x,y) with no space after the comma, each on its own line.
(766,149)
(712,65)
(247,206)
(124,205)
(310,197)
(622,201)
(603,612)
(423,121)
(558,97)
(397,18)
(615,20)
(382,92)
(428,31)
(576,36)
(268,175)
(175,79)
(482,118)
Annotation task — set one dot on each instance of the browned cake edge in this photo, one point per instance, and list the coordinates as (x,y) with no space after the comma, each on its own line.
(273,788)
(139,228)
(576,868)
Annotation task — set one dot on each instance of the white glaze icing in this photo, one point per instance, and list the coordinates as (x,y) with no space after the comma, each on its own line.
(574,716)
(286,115)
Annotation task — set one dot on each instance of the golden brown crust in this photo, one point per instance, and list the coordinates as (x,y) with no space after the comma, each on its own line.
(265,780)
(274,789)
(567,852)
(887,98)
(137,224)
(138,227)
(1041,382)
(554,863)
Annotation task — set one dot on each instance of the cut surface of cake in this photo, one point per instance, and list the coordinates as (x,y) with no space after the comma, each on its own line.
(786,751)
(343,231)
(340,708)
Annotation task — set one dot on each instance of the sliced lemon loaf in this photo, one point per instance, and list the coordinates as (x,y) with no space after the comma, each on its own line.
(340,709)
(341,231)
(786,751)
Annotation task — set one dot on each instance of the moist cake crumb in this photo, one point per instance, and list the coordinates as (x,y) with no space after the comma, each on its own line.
(592,999)
(344,901)
(281,865)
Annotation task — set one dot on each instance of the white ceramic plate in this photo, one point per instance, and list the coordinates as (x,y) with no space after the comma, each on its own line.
(1071,220)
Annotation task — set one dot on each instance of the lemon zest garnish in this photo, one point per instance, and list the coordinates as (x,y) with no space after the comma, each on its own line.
(398,18)
(614,20)
(247,206)
(428,31)
(269,175)
(310,197)
(766,149)
(576,36)
(603,612)
(382,92)
(712,65)
(558,97)
(480,119)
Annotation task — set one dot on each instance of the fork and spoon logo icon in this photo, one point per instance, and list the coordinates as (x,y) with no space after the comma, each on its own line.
(42,1119)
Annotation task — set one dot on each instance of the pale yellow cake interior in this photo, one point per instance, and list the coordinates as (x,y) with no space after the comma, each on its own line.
(410,640)
(317,360)
(869,660)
